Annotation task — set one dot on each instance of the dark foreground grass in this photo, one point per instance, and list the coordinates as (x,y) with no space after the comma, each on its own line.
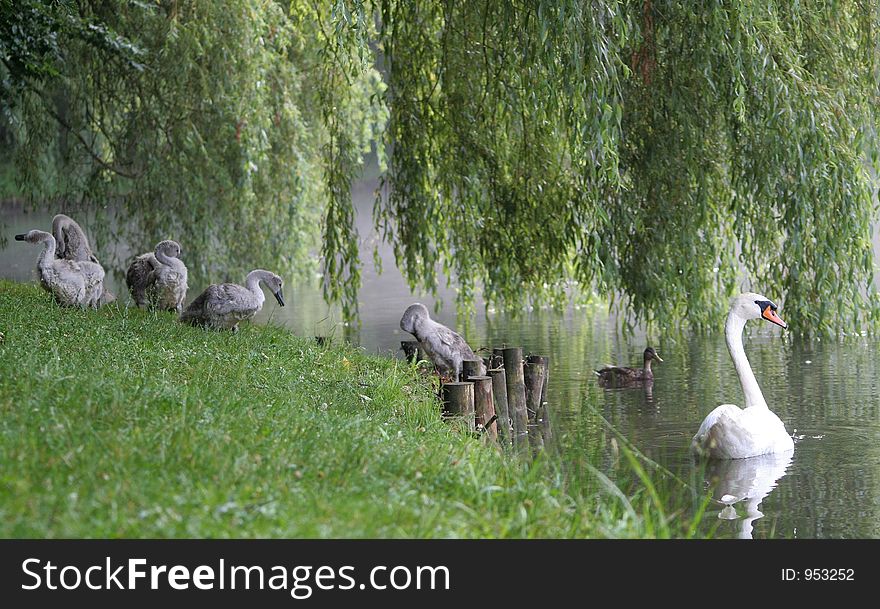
(123,423)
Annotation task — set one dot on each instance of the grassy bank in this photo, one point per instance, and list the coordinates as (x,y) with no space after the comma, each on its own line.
(126,423)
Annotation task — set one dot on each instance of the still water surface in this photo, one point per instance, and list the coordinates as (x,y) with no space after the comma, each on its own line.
(826,393)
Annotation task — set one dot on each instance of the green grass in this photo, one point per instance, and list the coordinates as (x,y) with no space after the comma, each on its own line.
(123,423)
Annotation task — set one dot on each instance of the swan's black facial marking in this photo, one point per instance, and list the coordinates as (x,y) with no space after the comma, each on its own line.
(768,312)
(766,303)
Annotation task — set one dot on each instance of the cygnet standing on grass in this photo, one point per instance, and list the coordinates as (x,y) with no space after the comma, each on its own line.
(225,305)
(158,279)
(72,283)
(71,243)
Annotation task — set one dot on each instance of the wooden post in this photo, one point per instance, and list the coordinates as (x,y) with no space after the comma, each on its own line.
(484,405)
(411,350)
(534,381)
(458,401)
(544,361)
(516,394)
(499,392)
(496,360)
(471,368)
(544,422)
(543,414)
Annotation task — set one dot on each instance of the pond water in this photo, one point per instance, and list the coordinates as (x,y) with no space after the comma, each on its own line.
(826,392)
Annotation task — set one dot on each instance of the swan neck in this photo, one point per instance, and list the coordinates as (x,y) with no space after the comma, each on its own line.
(58,226)
(733,332)
(48,254)
(252,283)
(161,257)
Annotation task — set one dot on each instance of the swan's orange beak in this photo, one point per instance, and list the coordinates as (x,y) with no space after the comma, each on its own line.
(770,315)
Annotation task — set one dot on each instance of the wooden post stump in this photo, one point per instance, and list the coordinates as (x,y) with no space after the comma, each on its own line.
(458,401)
(471,368)
(544,422)
(499,391)
(545,362)
(543,414)
(484,405)
(534,382)
(516,394)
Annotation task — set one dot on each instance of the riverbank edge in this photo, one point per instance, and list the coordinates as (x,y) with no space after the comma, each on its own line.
(125,423)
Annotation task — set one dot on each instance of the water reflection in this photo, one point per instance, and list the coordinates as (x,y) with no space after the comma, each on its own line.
(746,482)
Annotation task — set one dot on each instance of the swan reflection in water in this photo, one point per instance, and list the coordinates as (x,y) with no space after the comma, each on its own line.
(746,481)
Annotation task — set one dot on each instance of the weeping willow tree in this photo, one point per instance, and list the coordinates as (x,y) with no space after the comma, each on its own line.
(223,124)
(663,154)
(657,152)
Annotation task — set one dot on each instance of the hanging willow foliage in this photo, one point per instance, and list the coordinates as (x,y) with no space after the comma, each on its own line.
(224,124)
(653,151)
(663,154)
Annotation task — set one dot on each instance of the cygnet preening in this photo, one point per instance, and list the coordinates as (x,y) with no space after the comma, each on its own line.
(72,283)
(71,243)
(444,347)
(224,305)
(158,279)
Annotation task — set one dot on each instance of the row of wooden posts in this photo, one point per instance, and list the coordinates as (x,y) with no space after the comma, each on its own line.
(508,404)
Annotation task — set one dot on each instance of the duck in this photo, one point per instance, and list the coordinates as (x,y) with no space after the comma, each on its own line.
(158,278)
(73,283)
(731,432)
(71,243)
(225,305)
(444,347)
(622,376)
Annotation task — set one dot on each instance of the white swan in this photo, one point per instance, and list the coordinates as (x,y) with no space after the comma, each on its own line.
(731,432)
(73,283)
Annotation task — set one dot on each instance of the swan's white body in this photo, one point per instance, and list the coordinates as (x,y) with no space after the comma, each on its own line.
(731,432)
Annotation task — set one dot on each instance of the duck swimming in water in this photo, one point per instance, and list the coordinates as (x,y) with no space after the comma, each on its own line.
(225,305)
(622,376)
(445,348)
